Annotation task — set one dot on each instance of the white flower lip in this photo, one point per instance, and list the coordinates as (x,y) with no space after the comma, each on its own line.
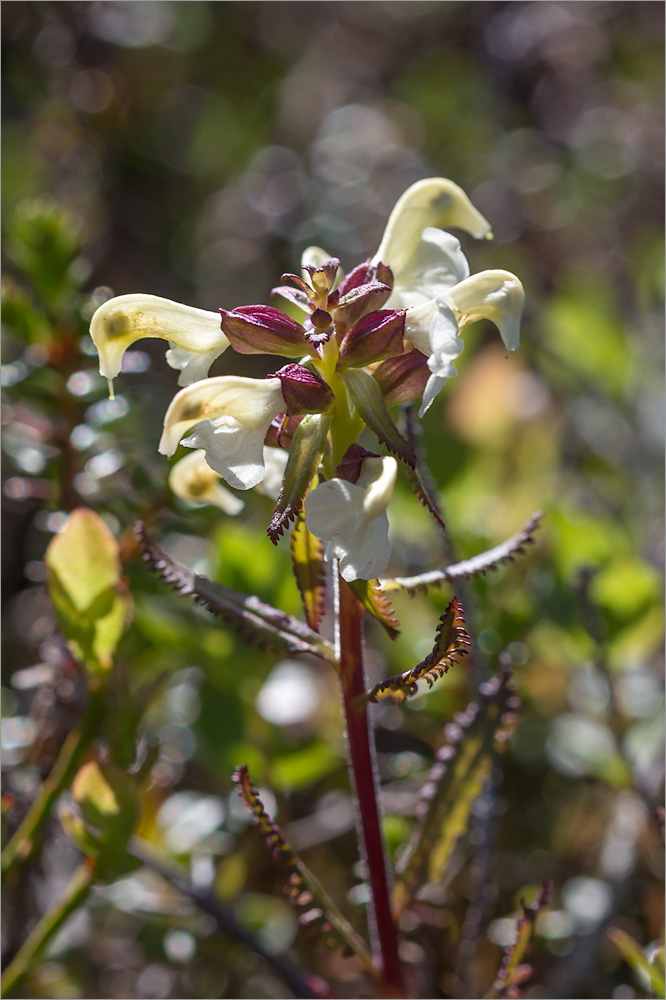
(193,480)
(121,321)
(495,295)
(351,519)
(435,201)
(231,416)
(250,402)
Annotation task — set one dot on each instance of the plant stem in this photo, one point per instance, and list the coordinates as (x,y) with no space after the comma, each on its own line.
(363,771)
(74,895)
(21,845)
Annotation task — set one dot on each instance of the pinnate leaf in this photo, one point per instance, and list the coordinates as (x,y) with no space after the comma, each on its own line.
(451,641)
(455,780)
(305,454)
(478,565)
(259,623)
(375,603)
(512,975)
(303,889)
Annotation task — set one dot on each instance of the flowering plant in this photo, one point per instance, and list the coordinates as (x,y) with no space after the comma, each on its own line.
(386,333)
(355,346)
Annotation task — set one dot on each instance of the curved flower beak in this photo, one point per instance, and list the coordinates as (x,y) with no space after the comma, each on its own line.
(436,202)
(495,295)
(121,321)
(193,480)
(351,519)
(231,415)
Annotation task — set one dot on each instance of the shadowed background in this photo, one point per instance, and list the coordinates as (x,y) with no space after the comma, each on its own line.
(192,150)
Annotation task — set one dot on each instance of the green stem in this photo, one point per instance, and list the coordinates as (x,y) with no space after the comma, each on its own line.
(74,895)
(21,845)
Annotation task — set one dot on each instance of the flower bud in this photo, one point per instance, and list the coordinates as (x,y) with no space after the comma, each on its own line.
(375,337)
(303,391)
(359,302)
(263,330)
(403,378)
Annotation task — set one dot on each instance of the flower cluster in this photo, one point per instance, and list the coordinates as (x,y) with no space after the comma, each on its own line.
(386,333)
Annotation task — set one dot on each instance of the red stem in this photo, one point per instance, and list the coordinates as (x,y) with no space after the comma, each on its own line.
(365,781)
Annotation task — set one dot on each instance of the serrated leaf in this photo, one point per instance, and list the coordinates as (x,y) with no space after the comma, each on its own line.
(87,590)
(512,974)
(305,454)
(454,782)
(451,641)
(478,565)
(259,623)
(302,887)
(307,557)
(369,594)
(367,397)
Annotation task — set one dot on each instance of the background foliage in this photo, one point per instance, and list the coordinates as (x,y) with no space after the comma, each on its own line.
(192,150)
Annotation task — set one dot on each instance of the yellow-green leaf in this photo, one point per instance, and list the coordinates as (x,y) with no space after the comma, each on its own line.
(307,556)
(647,972)
(87,590)
(85,558)
(454,782)
(451,641)
(108,800)
(369,593)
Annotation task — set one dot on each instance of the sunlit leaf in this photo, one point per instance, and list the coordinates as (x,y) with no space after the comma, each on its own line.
(368,400)
(305,454)
(87,590)
(451,641)
(307,556)
(371,597)
(456,779)
(645,971)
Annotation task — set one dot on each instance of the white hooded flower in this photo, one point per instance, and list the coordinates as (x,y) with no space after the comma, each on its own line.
(432,280)
(495,295)
(231,416)
(195,336)
(193,480)
(351,519)
(435,201)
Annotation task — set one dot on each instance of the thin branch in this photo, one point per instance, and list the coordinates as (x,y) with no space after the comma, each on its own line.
(302,986)
(22,844)
(74,895)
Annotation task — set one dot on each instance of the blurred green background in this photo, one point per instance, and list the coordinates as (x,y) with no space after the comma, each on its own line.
(192,150)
